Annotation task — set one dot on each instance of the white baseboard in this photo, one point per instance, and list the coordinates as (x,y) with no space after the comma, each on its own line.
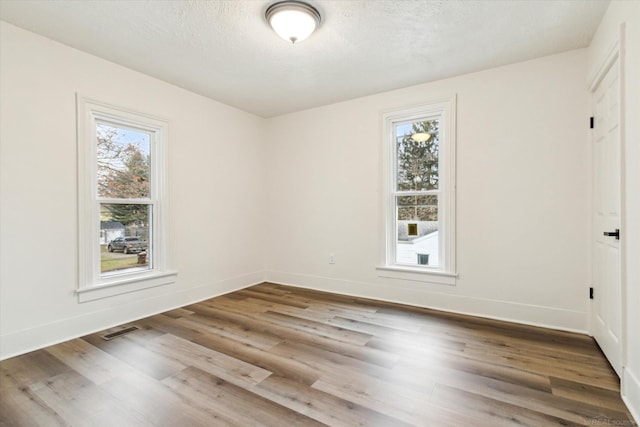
(23,341)
(528,314)
(631,392)
(27,340)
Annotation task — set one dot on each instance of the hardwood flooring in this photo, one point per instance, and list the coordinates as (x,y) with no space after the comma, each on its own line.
(272,355)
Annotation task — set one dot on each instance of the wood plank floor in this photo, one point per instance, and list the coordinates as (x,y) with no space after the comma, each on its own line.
(272,355)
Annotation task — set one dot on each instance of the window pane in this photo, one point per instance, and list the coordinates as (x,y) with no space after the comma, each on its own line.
(123,160)
(124,238)
(417,147)
(417,230)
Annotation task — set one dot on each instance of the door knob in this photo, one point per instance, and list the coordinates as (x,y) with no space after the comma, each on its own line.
(615,234)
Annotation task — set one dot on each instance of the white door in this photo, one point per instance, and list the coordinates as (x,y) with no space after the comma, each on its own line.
(607,298)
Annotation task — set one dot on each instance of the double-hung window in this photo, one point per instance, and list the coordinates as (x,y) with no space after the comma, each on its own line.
(419,193)
(122,196)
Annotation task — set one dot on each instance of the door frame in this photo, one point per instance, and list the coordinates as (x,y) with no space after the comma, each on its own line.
(615,52)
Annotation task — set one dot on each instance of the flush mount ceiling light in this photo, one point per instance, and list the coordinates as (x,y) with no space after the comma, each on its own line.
(293,20)
(421,136)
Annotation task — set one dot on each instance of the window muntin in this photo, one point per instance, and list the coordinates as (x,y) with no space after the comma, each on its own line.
(123,175)
(419,192)
(416,192)
(122,185)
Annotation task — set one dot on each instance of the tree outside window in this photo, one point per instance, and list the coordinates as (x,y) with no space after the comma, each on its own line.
(417,185)
(419,171)
(123,160)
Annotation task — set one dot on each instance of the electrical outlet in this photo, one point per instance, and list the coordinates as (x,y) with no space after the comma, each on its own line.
(332,258)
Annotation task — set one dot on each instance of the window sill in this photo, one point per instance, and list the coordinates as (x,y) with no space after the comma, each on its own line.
(124,285)
(417,275)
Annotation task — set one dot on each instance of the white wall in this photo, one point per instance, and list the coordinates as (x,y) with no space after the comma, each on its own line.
(522,195)
(523,186)
(216,172)
(627,13)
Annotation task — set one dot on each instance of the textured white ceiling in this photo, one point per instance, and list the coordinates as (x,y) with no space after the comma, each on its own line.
(225,50)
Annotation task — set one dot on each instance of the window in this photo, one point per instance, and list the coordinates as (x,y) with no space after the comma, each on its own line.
(419,193)
(121,176)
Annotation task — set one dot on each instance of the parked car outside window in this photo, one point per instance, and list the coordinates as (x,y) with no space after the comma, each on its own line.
(127,245)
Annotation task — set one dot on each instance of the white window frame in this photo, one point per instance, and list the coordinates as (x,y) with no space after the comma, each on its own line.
(445,273)
(91,284)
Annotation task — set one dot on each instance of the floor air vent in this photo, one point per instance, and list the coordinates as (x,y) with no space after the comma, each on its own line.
(119,333)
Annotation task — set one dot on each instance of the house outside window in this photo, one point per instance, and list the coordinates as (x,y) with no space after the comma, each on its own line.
(122,197)
(418,230)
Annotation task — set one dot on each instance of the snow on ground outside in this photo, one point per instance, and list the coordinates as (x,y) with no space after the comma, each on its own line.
(407,252)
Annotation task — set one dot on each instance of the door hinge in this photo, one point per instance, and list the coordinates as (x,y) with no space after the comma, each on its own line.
(615,234)
(591,293)
(591,122)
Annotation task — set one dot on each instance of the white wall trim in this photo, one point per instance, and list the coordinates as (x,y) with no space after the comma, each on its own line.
(90,112)
(630,390)
(417,275)
(612,54)
(615,52)
(446,110)
(24,341)
(129,284)
(526,314)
